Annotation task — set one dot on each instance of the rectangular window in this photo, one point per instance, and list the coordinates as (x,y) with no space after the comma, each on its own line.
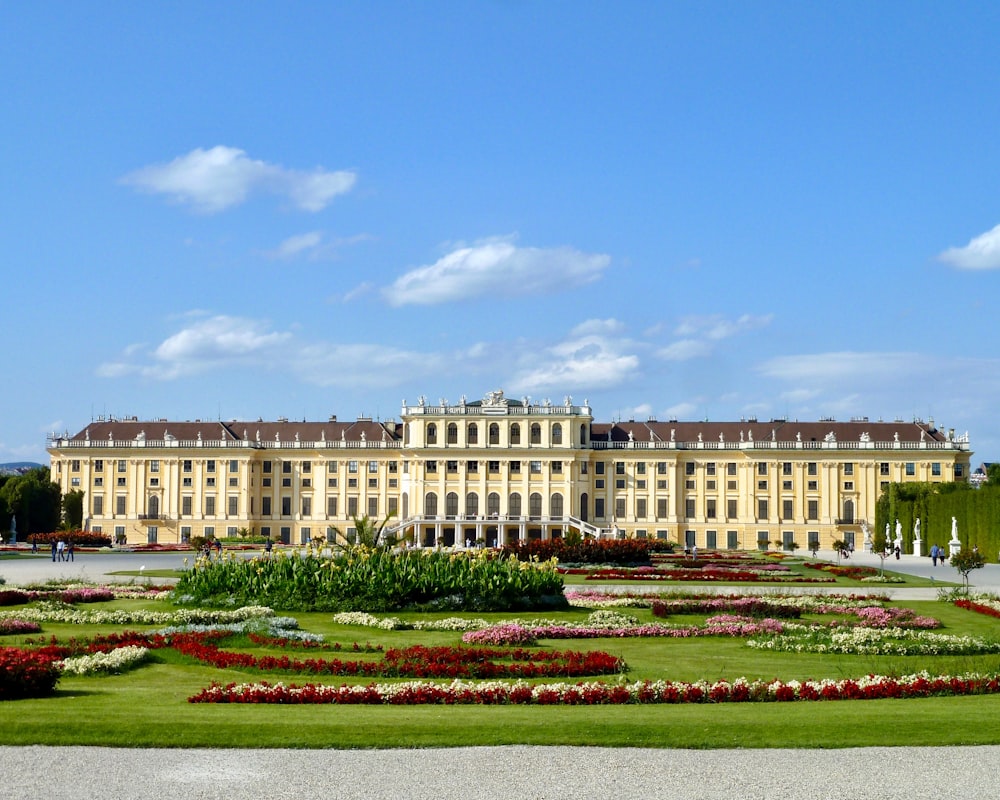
(98,505)
(286,506)
(762,542)
(661,484)
(493,467)
(263,481)
(711,540)
(812,510)
(185,466)
(286,482)
(210,465)
(372,466)
(331,506)
(762,468)
(430,466)
(583,468)
(731,486)
(184,481)
(352,467)
(393,506)
(910,469)
(373,483)
(186,506)
(689,508)
(393,467)
(661,467)
(661,507)
(786,509)
(640,507)
(266,467)
(515,467)
(689,484)
(620,483)
(762,485)
(732,540)
(121,465)
(936,469)
(210,482)
(352,506)
(883,468)
(535,467)
(786,467)
(731,509)
(598,483)
(372,507)
(209,506)
(234,505)
(619,468)
(98,481)
(234,481)
(762,508)
(120,505)
(731,469)
(689,468)
(352,483)
(710,508)
(98,465)
(306,467)
(557,468)
(642,485)
(812,538)
(307,506)
(451,466)
(849,468)
(471,467)
(620,507)
(710,468)
(811,468)
(786,485)
(154,466)
(286,467)
(848,486)
(812,486)
(265,506)
(598,467)
(640,468)
(76,481)
(599,507)
(331,483)
(234,465)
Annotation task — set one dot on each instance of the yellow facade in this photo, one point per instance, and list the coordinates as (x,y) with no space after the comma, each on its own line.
(498,470)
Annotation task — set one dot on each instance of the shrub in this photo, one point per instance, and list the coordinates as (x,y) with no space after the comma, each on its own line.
(26,674)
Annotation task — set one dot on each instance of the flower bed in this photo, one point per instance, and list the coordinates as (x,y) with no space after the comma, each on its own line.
(704,575)
(981,604)
(26,673)
(875,641)
(871,687)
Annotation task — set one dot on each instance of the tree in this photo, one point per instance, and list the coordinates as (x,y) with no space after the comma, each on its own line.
(993,475)
(840,546)
(72,509)
(880,547)
(965,561)
(34,500)
(367,533)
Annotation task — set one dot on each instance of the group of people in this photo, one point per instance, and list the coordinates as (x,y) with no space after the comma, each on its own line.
(62,551)
(938,553)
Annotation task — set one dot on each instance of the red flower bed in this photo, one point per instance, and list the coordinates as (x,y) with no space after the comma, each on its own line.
(26,673)
(979,608)
(707,574)
(78,537)
(854,573)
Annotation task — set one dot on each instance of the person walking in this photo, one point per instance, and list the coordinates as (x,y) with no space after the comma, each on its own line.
(61,550)
(54,549)
(935,552)
(69,550)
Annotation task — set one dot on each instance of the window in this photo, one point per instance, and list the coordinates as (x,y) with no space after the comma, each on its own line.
(209,482)
(762,468)
(352,467)
(373,483)
(184,481)
(494,433)
(689,484)
(786,485)
(120,505)
(210,465)
(451,504)
(331,506)
(493,466)
(431,504)
(452,433)
(98,481)
(910,469)
(472,433)
(709,485)
(786,468)
(186,506)
(209,506)
(98,505)
(393,468)
(266,467)
(710,508)
(373,507)
(535,505)
(689,508)
(812,537)
(98,465)
(331,483)
(811,468)
(812,510)
(515,504)
(661,507)
(515,467)
(372,467)
(711,540)
(236,482)
(432,433)
(121,465)
(599,507)
(731,469)
(557,434)
(786,509)
(849,468)
(472,466)
(599,483)
(883,468)
(515,434)
(732,540)
(642,484)
(536,433)
(710,468)
(620,507)
(661,467)
(557,468)
(599,468)
(154,465)
(619,483)
(661,484)
(286,482)
(493,504)
(689,468)
(472,504)
(451,466)
(731,509)
(762,542)
(848,486)
(762,485)
(393,506)
(352,483)
(234,505)
(352,506)
(430,466)
(812,486)
(936,469)
(286,467)
(762,508)
(619,468)
(234,465)
(265,506)
(640,507)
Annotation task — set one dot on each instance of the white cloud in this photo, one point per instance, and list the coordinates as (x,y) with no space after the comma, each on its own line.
(222,177)
(496,267)
(590,361)
(716,327)
(681,411)
(223,342)
(826,369)
(358,291)
(296,245)
(599,327)
(684,350)
(982,252)
(642,410)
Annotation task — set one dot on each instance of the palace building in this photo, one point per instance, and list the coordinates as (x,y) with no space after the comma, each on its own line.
(498,470)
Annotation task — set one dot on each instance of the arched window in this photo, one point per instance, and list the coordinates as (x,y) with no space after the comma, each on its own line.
(536,433)
(848,511)
(515,504)
(583,435)
(494,433)
(451,504)
(493,504)
(452,433)
(557,434)
(473,433)
(535,505)
(584,510)
(432,433)
(515,434)
(556,505)
(472,505)
(153,506)
(431,504)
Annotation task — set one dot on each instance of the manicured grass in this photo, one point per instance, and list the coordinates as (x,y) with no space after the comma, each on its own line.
(148,706)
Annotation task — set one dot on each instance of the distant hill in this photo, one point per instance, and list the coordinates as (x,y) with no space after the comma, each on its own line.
(18,467)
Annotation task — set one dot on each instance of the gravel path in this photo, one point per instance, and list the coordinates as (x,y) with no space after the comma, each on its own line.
(525,773)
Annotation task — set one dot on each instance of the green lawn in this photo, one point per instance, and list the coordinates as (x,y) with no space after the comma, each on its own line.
(148,706)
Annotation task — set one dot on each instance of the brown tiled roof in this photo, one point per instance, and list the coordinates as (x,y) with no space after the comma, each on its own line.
(285,431)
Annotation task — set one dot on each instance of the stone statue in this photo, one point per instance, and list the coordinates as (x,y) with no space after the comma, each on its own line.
(916,529)
(741,436)
(722,436)
(631,436)
(673,434)
(954,529)
(899,531)
(865,437)
(749,436)
(699,436)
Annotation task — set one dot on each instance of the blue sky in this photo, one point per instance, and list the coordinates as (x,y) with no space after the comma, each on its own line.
(679,210)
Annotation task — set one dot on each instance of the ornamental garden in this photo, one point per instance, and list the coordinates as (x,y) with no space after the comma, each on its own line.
(375,647)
